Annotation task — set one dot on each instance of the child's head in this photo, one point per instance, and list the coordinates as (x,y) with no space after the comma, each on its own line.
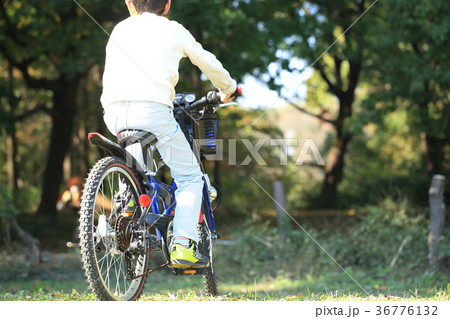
(158,7)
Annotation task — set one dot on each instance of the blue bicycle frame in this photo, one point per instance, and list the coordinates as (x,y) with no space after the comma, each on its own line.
(160,190)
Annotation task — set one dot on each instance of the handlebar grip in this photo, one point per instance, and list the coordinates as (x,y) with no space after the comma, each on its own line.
(213,97)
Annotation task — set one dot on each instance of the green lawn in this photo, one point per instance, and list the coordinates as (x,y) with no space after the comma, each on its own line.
(61,278)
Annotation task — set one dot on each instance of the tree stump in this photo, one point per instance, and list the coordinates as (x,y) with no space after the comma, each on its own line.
(437,218)
(33,255)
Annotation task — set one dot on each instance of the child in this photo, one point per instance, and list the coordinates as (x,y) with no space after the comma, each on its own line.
(141,71)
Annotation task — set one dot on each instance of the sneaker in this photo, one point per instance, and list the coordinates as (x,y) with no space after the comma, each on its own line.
(182,257)
(124,204)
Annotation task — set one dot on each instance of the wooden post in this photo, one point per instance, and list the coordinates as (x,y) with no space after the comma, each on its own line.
(437,218)
(280,207)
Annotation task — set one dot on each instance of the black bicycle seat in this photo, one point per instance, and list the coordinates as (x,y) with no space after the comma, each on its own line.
(129,137)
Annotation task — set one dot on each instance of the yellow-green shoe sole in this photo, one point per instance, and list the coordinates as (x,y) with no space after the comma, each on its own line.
(180,263)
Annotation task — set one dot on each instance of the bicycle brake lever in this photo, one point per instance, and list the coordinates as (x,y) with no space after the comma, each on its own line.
(225,105)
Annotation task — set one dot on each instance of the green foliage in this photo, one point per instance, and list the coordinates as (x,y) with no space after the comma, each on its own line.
(389,240)
(411,65)
(243,199)
(48,46)
(376,238)
(228,30)
(383,161)
(259,253)
(401,45)
(60,38)
(318,95)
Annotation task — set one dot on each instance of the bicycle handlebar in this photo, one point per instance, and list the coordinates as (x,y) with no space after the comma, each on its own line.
(212,98)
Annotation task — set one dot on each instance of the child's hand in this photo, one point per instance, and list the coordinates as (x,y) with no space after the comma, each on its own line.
(225,97)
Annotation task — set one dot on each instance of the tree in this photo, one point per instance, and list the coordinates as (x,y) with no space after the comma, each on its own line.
(53,44)
(412,66)
(230,31)
(322,33)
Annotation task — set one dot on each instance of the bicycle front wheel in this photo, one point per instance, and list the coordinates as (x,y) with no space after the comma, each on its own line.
(114,249)
(205,247)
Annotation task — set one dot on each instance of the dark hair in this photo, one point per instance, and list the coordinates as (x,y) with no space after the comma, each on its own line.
(153,6)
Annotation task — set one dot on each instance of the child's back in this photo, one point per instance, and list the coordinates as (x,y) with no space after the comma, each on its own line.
(143,57)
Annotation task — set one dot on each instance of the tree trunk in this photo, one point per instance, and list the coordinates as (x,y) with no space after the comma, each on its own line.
(64,108)
(11,141)
(336,157)
(434,156)
(11,166)
(334,170)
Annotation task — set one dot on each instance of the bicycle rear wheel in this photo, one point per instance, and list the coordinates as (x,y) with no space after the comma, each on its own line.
(114,249)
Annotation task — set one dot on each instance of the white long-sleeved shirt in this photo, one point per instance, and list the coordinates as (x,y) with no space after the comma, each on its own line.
(142,60)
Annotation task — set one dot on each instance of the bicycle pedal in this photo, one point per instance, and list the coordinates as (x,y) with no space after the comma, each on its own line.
(72,245)
(188,271)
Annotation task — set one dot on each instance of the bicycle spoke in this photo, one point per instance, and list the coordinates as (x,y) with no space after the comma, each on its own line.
(124,274)
(102,260)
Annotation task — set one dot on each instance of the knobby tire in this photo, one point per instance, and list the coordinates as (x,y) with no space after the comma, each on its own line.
(92,243)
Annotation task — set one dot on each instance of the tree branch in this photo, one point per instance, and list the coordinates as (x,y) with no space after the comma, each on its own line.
(320,116)
(355,70)
(23,68)
(37,109)
(336,91)
(23,65)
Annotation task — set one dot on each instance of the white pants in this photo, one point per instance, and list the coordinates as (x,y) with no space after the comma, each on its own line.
(175,152)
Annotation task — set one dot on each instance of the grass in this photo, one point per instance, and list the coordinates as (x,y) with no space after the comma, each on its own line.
(367,264)
(61,278)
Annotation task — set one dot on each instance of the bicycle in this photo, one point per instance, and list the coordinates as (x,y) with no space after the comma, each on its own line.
(126,212)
